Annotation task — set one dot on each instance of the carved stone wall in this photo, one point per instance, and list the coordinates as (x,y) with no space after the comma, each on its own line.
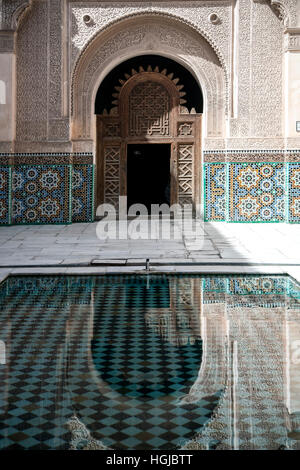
(64,49)
(267,105)
(138,36)
(68,31)
(32,77)
(194,13)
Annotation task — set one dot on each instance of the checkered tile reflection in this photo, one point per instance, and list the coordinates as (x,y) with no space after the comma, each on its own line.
(108,362)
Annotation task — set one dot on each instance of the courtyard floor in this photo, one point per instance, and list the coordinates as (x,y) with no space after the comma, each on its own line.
(217,247)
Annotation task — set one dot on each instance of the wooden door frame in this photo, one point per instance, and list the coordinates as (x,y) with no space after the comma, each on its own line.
(112,132)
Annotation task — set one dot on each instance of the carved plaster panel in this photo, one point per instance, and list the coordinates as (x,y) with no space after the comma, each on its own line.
(175,40)
(196,14)
(32,86)
(260,76)
(285,10)
(266,74)
(11,12)
(292,39)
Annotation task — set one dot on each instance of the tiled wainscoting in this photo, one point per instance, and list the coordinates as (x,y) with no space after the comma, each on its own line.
(248,186)
(46,189)
(252,186)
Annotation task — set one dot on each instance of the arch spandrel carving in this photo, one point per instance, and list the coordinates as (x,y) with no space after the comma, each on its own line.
(146,34)
(285,10)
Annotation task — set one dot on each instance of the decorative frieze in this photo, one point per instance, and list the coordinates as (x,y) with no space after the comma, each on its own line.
(292,39)
(249,155)
(255,156)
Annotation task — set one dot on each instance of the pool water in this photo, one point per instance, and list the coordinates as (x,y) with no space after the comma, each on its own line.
(150,362)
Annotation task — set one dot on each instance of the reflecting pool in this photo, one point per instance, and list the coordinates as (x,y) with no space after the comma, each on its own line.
(150,362)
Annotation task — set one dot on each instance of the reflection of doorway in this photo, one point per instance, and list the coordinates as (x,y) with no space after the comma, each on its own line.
(148,174)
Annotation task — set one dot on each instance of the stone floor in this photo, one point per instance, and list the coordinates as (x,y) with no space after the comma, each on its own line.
(217,243)
(217,247)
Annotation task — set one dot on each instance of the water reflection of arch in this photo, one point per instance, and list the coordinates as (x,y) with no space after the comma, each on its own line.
(181,296)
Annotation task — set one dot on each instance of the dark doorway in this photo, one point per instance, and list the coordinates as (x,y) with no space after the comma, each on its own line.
(148,174)
(193,97)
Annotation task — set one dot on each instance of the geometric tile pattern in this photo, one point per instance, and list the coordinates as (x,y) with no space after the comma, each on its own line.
(5,176)
(82,193)
(85,367)
(257,192)
(258,285)
(294,192)
(41,194)
(215,191)
(265,291)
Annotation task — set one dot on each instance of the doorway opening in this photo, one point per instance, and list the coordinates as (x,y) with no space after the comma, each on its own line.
(148,174)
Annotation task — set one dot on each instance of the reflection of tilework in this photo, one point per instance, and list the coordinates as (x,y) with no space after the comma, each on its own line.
(294,192)
(82,193)
(144,375)
(97,372)
(258,285)
(215,284)
(250,290)
(215,191)
(41,194)
(4,194)
(256,192)
(294,289)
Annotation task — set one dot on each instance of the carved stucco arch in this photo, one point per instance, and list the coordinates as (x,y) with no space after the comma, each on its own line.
(143,34)
(285,10)
(13,11)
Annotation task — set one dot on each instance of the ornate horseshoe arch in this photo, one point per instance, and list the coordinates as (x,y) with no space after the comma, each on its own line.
(148,108)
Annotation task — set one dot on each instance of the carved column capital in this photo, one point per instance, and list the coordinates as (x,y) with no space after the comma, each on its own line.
(11,12)
(281,8)
(292,39)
